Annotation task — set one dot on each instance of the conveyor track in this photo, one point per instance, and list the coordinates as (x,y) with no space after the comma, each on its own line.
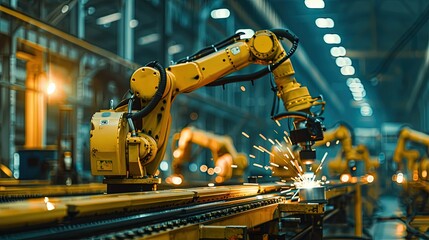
(145,224)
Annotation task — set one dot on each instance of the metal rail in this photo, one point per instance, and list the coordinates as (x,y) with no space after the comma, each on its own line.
(145,224)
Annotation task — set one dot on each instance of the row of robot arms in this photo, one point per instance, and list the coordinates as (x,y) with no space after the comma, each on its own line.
(350,154)
(128,143)
(417,166)
(228,162)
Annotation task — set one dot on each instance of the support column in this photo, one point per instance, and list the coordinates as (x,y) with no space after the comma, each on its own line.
(35,106)
(358,211)
(126,33)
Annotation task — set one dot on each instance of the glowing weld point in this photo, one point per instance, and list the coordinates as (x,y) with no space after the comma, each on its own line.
(258,165)
(262,136)
(245,134)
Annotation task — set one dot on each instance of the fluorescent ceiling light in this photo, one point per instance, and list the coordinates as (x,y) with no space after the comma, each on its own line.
(332,38)
(347,70)
(220,13)
(324,23)
(109,18)
(359,94)
(134,23)
(314,3)
(352,80)
(343,61)
(248,33)
(175,49)
(338,51)
(366,111)
(148,39)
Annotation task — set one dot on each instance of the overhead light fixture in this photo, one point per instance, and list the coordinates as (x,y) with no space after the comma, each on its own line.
(65,8)
(366,111)
(148,39)
(51,88)
(109,18)
(332,38)
(324,23)
(352,80)
(248,33)
(343,61)
(220,13)
(361,93)
(175,49)
(314,3)
(134,23)
(338,51)
(347,70)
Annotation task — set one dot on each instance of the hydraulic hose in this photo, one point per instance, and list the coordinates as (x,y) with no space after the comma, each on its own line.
(158,94)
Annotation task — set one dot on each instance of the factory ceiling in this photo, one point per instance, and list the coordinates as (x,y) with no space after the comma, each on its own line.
(375,73)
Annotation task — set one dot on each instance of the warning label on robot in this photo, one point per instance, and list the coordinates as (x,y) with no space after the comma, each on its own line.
(104,165)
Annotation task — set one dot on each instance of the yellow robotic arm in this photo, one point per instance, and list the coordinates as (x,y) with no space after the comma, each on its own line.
(349,152)
(410,155)
(229,162)
(128,143)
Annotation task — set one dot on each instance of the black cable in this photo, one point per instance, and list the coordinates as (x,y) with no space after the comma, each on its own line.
(158,94)
(274,107)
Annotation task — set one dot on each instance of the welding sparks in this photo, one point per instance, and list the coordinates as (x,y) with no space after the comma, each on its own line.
(278,123)
(263,137)
(286,191)
(285,167)
(245,134)
(252,156)
(338,141)
(258,165)
(271,141)
(274,164)
(295,193)
(275,131)
(277,141)
(234,166)
(256,147)
(265,150)
(321,162)
(293,157)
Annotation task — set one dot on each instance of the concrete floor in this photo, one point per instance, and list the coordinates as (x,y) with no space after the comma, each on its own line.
(393,229)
